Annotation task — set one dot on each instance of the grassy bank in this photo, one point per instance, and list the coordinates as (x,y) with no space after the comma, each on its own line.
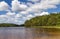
(46,27)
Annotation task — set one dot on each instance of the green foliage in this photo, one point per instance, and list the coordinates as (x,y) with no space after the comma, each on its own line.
(8,25)
(45,20)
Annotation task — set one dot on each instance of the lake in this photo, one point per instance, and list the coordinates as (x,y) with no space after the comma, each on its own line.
(28,33)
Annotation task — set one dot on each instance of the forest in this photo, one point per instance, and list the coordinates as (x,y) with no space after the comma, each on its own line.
(9,25)
(52,19)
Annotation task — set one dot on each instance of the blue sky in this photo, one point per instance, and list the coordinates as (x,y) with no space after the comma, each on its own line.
(18,11)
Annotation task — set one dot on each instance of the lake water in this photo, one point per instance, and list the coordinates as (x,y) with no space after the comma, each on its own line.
(27,33)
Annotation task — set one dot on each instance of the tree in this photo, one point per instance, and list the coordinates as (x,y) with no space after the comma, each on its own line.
(45,20)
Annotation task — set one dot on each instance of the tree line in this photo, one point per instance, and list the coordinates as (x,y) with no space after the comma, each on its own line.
(52,19)
(10,25)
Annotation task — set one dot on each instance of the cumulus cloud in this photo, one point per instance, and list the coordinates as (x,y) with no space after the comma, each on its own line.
(28,17)
(34,0)
(24,12)
(41,14)
(17,6)
(10,13)
(43,5)
(18,15)
(20,12)
(11,17)
(3,6)
(44,13)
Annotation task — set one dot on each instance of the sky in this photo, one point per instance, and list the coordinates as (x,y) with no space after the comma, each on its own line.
(18,11)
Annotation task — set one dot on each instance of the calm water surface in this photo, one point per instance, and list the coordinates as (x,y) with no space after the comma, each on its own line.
(27,33)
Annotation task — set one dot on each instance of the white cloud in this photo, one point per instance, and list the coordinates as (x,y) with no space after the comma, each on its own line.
(29,4)
(24,12)
(17,6)
(46,4)
(28,17)
(3,6)
(10,17)
(43,5)
(44,13)
(41,14)
(10,14)
(18,15)
(34,0)
(51,1)
(2,16)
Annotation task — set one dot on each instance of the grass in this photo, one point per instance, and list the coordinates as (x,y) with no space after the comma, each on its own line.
(58,27)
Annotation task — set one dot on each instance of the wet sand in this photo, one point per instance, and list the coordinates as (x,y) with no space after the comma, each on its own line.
(23,33)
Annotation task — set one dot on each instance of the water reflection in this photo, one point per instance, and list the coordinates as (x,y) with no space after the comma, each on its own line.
(28,33)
